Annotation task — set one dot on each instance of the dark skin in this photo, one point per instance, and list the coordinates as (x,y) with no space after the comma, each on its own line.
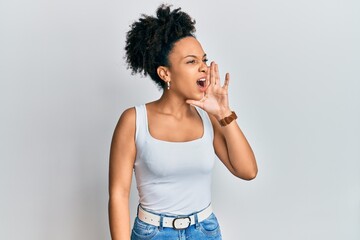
(173,118)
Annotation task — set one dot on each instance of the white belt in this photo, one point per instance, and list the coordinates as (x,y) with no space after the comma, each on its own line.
(173,222)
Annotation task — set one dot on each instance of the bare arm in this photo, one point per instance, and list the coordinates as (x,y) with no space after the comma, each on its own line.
(233,150)
(122,157)
(230,143)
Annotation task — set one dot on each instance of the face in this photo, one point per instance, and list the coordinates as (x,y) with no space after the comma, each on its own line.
(187,71)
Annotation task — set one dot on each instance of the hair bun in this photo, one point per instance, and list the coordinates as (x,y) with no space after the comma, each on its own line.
(163,13)
(150,40)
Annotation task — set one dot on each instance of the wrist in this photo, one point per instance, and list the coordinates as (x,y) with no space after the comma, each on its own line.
(228,119)
(224,113)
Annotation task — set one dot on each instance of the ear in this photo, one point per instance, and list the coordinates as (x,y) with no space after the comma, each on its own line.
(163,73)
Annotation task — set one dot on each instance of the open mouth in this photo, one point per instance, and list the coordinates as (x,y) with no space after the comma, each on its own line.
(201,82)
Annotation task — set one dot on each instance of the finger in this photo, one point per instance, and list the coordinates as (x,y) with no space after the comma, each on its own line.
(217,75)
(227,80)
(199,104)
(208,76)
(212,73)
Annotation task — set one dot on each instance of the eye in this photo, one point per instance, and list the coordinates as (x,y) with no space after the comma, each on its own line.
(205,60)
(191,61)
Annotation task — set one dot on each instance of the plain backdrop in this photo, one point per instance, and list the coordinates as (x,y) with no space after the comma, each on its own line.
(295,86)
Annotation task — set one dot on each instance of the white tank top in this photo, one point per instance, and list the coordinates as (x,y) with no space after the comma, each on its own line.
(173,177)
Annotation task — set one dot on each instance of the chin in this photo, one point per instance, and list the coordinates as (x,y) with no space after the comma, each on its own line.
(199,96)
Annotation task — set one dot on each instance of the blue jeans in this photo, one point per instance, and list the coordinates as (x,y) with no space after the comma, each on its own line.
(207,229)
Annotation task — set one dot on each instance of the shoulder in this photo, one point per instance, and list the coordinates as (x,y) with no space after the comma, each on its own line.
(128,116)
(126,122)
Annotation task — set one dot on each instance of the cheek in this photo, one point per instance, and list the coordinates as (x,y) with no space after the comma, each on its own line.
(182,82)
(183,77)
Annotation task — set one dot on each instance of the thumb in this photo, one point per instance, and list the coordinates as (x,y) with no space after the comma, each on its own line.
(199,104)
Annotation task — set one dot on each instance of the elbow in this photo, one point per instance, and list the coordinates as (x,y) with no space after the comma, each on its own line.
(248,175)
(251,176)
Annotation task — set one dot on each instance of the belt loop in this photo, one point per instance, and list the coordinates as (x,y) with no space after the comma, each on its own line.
(197,225)
(161,222)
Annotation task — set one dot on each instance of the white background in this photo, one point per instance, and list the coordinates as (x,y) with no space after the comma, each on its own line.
(294,84)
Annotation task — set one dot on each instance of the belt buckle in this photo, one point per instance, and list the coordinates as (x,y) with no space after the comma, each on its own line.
(180,225)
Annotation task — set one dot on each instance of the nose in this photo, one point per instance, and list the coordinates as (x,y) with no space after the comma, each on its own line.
(203,67)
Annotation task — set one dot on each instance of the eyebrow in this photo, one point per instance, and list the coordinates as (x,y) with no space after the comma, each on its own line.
(194,56)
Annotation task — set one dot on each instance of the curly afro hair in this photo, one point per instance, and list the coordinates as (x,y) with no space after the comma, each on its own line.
(150,40)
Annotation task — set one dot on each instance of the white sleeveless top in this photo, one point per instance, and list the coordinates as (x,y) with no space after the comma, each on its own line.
(173,177)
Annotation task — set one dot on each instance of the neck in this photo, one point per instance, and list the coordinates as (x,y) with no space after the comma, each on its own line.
(170,103)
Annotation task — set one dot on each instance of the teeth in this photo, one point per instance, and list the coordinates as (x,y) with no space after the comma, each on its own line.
(202,80)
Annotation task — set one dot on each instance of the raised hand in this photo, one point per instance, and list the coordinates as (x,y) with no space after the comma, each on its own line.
(215,100)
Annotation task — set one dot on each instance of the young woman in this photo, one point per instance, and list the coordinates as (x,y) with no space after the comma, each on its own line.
(171,143)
